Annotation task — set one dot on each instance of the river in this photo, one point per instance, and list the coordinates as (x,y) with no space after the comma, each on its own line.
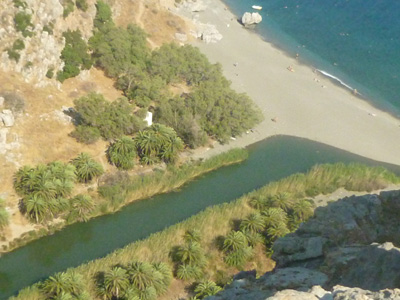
(269,160)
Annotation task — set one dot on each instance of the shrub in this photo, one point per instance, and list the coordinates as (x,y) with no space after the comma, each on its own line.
(82,5)
(12,54)
(20,3)
(110,120)
(18,45)
(22,21)
(86,134)
(68,6)
(75,55)
(13,101)
(50,73)
(49,28)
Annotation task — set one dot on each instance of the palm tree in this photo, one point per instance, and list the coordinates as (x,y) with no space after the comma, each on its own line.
(253,238)
(75,283)
(21,179)
(63,187)
(303,209)
(258,202)
(132,293)
(254,223)
(239,257)
(191,254)
(143,275)
(149,293)
(56,284)
(122,153)
(281,200)
(165,272)
(44,186)
(116,281)
(278,230)
(36,207)
(82,206)
(189,272)
(170,149)
(192,235)
(206,288)
(274,215)
(63,296)
(62,171)
(235,240)
(86,167)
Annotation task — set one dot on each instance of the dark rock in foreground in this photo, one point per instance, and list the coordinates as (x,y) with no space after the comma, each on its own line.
(345,252)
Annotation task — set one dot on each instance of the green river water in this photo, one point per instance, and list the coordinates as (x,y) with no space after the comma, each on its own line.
(269,160)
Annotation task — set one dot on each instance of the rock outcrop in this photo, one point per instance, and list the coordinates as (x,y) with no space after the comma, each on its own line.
(7,118)
(345,252)
(251,18)
(41,45)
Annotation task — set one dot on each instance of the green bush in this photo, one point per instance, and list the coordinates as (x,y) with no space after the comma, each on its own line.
(81,4)
(13,101)
(18,45)
(20,3)
(12,54)
(75,55)
(68,6)
(109,120)
(49,28)
(50,73)
(86,134)
(22,21)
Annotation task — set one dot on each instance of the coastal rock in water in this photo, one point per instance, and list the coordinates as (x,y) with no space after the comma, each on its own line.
(251,18)
(7,117)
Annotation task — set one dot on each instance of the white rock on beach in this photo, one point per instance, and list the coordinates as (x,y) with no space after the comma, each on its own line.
(207,33)
(7,117)
(251,18)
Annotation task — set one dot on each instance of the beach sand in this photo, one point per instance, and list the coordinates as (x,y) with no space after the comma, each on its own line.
(299,103)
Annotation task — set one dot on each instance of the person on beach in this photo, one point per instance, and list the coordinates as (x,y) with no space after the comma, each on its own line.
(290,68)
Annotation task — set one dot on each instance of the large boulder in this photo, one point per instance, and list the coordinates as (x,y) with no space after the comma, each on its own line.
(251,18)
(7,117)
(208,33)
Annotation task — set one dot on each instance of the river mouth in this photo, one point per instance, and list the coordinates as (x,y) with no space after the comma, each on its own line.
(269,160)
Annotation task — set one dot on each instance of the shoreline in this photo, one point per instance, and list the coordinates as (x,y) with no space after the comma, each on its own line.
(302,103)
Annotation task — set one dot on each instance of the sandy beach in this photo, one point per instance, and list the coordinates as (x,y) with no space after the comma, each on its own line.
(299,103)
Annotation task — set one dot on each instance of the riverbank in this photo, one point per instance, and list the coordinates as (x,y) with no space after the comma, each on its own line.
(302,103)
(217,221)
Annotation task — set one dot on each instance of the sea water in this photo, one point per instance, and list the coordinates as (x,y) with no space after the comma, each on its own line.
(354,42)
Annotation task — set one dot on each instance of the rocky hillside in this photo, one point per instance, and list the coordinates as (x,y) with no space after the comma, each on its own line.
(345,252)
(31,32)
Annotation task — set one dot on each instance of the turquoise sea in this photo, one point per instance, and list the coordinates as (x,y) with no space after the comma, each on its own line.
(356,42)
